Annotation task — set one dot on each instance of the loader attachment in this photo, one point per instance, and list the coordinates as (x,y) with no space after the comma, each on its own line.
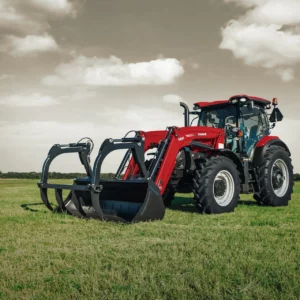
(132,198)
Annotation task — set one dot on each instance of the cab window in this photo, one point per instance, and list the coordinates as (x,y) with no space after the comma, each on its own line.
(218,118)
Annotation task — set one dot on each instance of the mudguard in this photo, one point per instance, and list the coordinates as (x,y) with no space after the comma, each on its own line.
(262,145)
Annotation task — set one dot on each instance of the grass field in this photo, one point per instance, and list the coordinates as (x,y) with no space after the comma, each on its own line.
(253,253)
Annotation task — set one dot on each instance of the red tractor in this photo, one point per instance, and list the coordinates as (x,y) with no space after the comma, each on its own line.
(226,150)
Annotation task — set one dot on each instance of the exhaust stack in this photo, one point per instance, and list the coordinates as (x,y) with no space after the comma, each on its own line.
(186,114)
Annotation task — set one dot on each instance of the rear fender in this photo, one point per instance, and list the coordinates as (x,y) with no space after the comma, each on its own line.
(261,147)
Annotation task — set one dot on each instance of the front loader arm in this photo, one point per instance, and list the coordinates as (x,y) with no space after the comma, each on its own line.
(183,137)
(176,139)
(151,140)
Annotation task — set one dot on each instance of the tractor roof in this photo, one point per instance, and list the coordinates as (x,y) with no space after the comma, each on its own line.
(213,104)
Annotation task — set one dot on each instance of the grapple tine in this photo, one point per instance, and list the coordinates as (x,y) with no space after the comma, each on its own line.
(44,196)
(61,203)
(76,201)
(96,205)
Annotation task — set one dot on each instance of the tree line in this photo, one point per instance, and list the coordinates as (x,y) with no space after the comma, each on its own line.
(52,175)
(58,175)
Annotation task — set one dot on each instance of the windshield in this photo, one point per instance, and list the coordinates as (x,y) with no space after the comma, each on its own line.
(218,117)
(253,122)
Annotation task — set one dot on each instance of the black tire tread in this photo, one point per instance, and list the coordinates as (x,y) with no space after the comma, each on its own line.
(266,197)
(201,182)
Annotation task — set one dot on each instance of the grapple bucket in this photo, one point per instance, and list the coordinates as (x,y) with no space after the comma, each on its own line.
(130,199)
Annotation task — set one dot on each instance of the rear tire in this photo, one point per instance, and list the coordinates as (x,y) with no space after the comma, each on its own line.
(216,186)
(275,178)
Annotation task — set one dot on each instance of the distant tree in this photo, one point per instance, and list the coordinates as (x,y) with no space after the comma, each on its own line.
(52,175)
(297,177)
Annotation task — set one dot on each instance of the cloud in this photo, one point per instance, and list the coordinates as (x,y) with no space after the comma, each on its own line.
(13,19)
(59,7)
(112,71)
(286,74)
(6,77)
(190,63)
(24,24)
(110,122)
(275,12)
(261,45)
(141,118)
(245,3)
(35,99)
(29,45)
(266,35)
(172,99)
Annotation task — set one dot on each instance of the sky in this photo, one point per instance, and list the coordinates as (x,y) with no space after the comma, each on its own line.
(99,68)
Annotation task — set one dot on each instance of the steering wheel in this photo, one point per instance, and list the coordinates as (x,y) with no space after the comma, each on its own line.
(230,130)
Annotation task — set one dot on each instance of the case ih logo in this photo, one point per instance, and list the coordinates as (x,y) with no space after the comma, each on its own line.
(202,133)
(190,135)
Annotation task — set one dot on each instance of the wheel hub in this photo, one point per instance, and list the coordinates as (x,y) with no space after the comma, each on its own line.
(277,178)
(223,188)
(280,178)
(220,187)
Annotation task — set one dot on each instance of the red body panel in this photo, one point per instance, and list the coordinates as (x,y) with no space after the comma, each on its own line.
(264,140)
(213,103)
(224,102)
(183,137)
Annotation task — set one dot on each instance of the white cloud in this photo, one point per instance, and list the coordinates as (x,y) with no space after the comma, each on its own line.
(43,135)
(23,24)
(142,118)
(258,37)
(29,45)
(35,99)
(108,123)
(245,3)
(275,12)
(6,77)
(261,45)
(59,7)
(112,71)
(13,19)
(172,99)
(286,74)
(190,63)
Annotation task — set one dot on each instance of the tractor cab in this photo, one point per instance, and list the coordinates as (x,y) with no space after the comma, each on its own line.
(244,120)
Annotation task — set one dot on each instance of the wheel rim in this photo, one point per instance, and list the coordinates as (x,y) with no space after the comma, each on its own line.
(223,188)
(280,178)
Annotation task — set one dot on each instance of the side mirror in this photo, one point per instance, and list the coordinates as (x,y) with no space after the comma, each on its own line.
(276,115)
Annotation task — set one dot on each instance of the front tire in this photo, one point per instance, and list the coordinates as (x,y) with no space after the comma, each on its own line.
(216,186)
(168,195)
(275,178)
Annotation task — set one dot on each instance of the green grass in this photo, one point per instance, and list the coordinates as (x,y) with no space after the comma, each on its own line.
(253,253)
